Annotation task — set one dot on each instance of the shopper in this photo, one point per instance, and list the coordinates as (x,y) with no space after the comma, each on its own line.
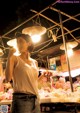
(24,73)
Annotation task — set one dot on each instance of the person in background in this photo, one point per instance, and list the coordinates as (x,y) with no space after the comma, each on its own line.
(78,79)
(22,70)
(76,84)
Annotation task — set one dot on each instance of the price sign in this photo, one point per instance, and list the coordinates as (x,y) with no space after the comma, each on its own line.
(4,109)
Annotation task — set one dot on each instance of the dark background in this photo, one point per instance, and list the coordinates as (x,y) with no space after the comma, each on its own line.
(14,12)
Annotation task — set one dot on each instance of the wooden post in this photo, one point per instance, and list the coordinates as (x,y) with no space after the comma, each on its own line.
(64,42)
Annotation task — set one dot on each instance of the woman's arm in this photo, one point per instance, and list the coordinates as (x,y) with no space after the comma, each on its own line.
(10,66)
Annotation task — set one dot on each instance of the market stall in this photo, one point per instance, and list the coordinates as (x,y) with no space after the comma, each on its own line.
(54,91)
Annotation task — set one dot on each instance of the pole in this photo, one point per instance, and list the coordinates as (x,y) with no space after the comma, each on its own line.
(64,42)
(47,62)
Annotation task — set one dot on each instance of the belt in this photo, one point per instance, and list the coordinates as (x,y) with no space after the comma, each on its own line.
(24,94)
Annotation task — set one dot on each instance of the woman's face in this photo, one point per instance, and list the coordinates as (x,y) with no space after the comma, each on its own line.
(22,45)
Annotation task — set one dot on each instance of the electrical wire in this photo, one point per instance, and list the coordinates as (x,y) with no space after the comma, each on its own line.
(42,47)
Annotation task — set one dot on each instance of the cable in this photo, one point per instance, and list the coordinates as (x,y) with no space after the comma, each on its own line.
(43,47)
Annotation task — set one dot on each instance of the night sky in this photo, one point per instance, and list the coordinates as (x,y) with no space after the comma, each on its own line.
(13,12)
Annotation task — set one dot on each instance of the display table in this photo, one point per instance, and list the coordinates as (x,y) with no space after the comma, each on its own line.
(69,107)
(49,104)
(46,105)
(5,102)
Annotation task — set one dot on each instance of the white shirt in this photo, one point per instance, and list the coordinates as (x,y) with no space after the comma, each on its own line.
(25,77)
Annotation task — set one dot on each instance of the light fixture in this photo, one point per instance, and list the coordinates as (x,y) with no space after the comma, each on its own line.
(13,43)
(70,52)
(36,38)
(1,52)
(35,32)
(69,45)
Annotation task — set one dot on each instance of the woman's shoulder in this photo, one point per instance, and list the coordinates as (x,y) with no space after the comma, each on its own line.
(12,58)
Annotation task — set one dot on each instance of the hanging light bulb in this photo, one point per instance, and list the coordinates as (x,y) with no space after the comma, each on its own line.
(13,43)
(69,45)
(36,38)
(70,52)
(35,32)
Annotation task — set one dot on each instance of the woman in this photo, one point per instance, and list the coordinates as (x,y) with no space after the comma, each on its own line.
(23,71)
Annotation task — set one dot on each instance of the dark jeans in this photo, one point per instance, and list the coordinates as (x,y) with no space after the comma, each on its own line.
(24,103)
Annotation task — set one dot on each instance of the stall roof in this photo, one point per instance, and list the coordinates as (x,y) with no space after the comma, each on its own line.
(45,13)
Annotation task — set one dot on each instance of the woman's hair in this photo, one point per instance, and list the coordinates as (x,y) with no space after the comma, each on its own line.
(27,38)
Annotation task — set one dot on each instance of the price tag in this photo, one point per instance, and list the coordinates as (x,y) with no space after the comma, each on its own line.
(4,109)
